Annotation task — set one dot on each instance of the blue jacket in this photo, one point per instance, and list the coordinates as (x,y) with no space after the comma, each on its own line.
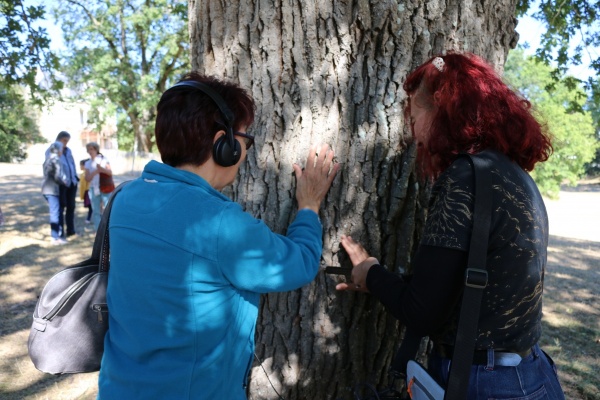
(69,167)
(187,269)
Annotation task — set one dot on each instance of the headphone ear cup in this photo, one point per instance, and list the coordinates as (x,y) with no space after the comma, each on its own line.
(223,154)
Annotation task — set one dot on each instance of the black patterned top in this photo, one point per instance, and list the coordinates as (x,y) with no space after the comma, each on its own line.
(511,308)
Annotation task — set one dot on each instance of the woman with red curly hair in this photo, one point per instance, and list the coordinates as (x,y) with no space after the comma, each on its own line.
(459,104)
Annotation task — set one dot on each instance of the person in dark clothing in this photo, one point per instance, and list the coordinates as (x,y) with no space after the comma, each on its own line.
(458,104)
(68,192)
(188,264)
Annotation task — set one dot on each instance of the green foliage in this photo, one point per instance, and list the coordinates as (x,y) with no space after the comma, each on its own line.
(18,126)
(573,132)
(121,55)
(593,168)
(24,49)
(568,22)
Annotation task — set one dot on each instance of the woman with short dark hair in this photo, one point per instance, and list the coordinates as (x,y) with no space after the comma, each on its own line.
(188,265)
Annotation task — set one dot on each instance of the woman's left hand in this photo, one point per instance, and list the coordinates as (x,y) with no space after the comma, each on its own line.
(361,264)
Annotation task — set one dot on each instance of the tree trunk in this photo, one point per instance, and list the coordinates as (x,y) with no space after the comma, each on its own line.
(332,71)
(142,131)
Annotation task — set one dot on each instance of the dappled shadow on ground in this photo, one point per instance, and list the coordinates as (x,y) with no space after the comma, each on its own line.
(27,261)
(571,324)
(47,383)
(22,203)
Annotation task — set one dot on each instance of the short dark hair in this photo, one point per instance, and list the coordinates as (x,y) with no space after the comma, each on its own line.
(62,135)
(187,119)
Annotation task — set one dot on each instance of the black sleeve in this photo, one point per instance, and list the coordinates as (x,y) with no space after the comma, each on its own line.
(425,302)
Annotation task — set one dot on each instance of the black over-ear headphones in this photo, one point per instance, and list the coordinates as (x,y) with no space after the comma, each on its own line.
(226,150)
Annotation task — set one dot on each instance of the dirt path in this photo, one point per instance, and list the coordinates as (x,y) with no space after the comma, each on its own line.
(27,260)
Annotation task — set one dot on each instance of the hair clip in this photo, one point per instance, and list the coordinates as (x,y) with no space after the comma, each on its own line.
(439,63)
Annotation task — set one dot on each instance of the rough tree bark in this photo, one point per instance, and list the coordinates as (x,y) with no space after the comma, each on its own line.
(332,71)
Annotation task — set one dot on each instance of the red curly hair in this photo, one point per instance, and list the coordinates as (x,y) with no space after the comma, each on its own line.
(474,110)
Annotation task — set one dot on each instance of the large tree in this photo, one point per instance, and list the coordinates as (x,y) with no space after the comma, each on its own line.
(332,71)
(121,56)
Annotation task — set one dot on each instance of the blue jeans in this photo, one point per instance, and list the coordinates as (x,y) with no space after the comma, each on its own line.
(54,205)
(97,199)
(534,378)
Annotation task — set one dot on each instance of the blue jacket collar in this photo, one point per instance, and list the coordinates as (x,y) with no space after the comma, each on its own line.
(160,172)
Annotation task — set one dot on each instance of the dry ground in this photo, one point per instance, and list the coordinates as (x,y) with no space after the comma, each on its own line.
(27,260)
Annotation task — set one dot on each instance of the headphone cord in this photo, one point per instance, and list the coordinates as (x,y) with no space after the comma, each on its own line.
(267,375)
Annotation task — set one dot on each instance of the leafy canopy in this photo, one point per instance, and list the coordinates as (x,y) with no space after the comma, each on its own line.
(568,22)
(24,51)
(573,132)
(18,126)
(120,56)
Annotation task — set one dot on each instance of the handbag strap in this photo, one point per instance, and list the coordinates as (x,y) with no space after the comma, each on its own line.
(476,279)
(101,249)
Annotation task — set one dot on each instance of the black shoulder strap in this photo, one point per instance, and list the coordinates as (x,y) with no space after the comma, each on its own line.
(475,281)
(101,248)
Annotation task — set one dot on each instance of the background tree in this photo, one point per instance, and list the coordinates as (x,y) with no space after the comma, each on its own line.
(571,32)
(574,133)
(571,35)
(593,167)
(24,52)
(18,126)
(332,71)
(120,57)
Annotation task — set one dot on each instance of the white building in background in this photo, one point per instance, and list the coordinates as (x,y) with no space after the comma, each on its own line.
(73,118)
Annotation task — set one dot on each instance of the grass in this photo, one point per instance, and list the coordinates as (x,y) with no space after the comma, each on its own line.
(571,324)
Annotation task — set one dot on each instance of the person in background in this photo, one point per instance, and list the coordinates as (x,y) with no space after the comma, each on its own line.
(68,192)
(54,178)
(93,167)
(84,191)
(458,104)
(188,265)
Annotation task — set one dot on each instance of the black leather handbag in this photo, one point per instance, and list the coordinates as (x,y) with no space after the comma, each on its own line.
(70,318)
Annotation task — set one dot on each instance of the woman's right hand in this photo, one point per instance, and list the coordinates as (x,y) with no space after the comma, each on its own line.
(361,262)
(314,181)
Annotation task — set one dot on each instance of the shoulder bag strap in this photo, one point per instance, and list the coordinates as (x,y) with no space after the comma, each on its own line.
(475,281)
(101,248)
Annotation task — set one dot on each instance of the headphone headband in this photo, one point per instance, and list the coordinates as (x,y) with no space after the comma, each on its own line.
(226,150)
(204,88)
